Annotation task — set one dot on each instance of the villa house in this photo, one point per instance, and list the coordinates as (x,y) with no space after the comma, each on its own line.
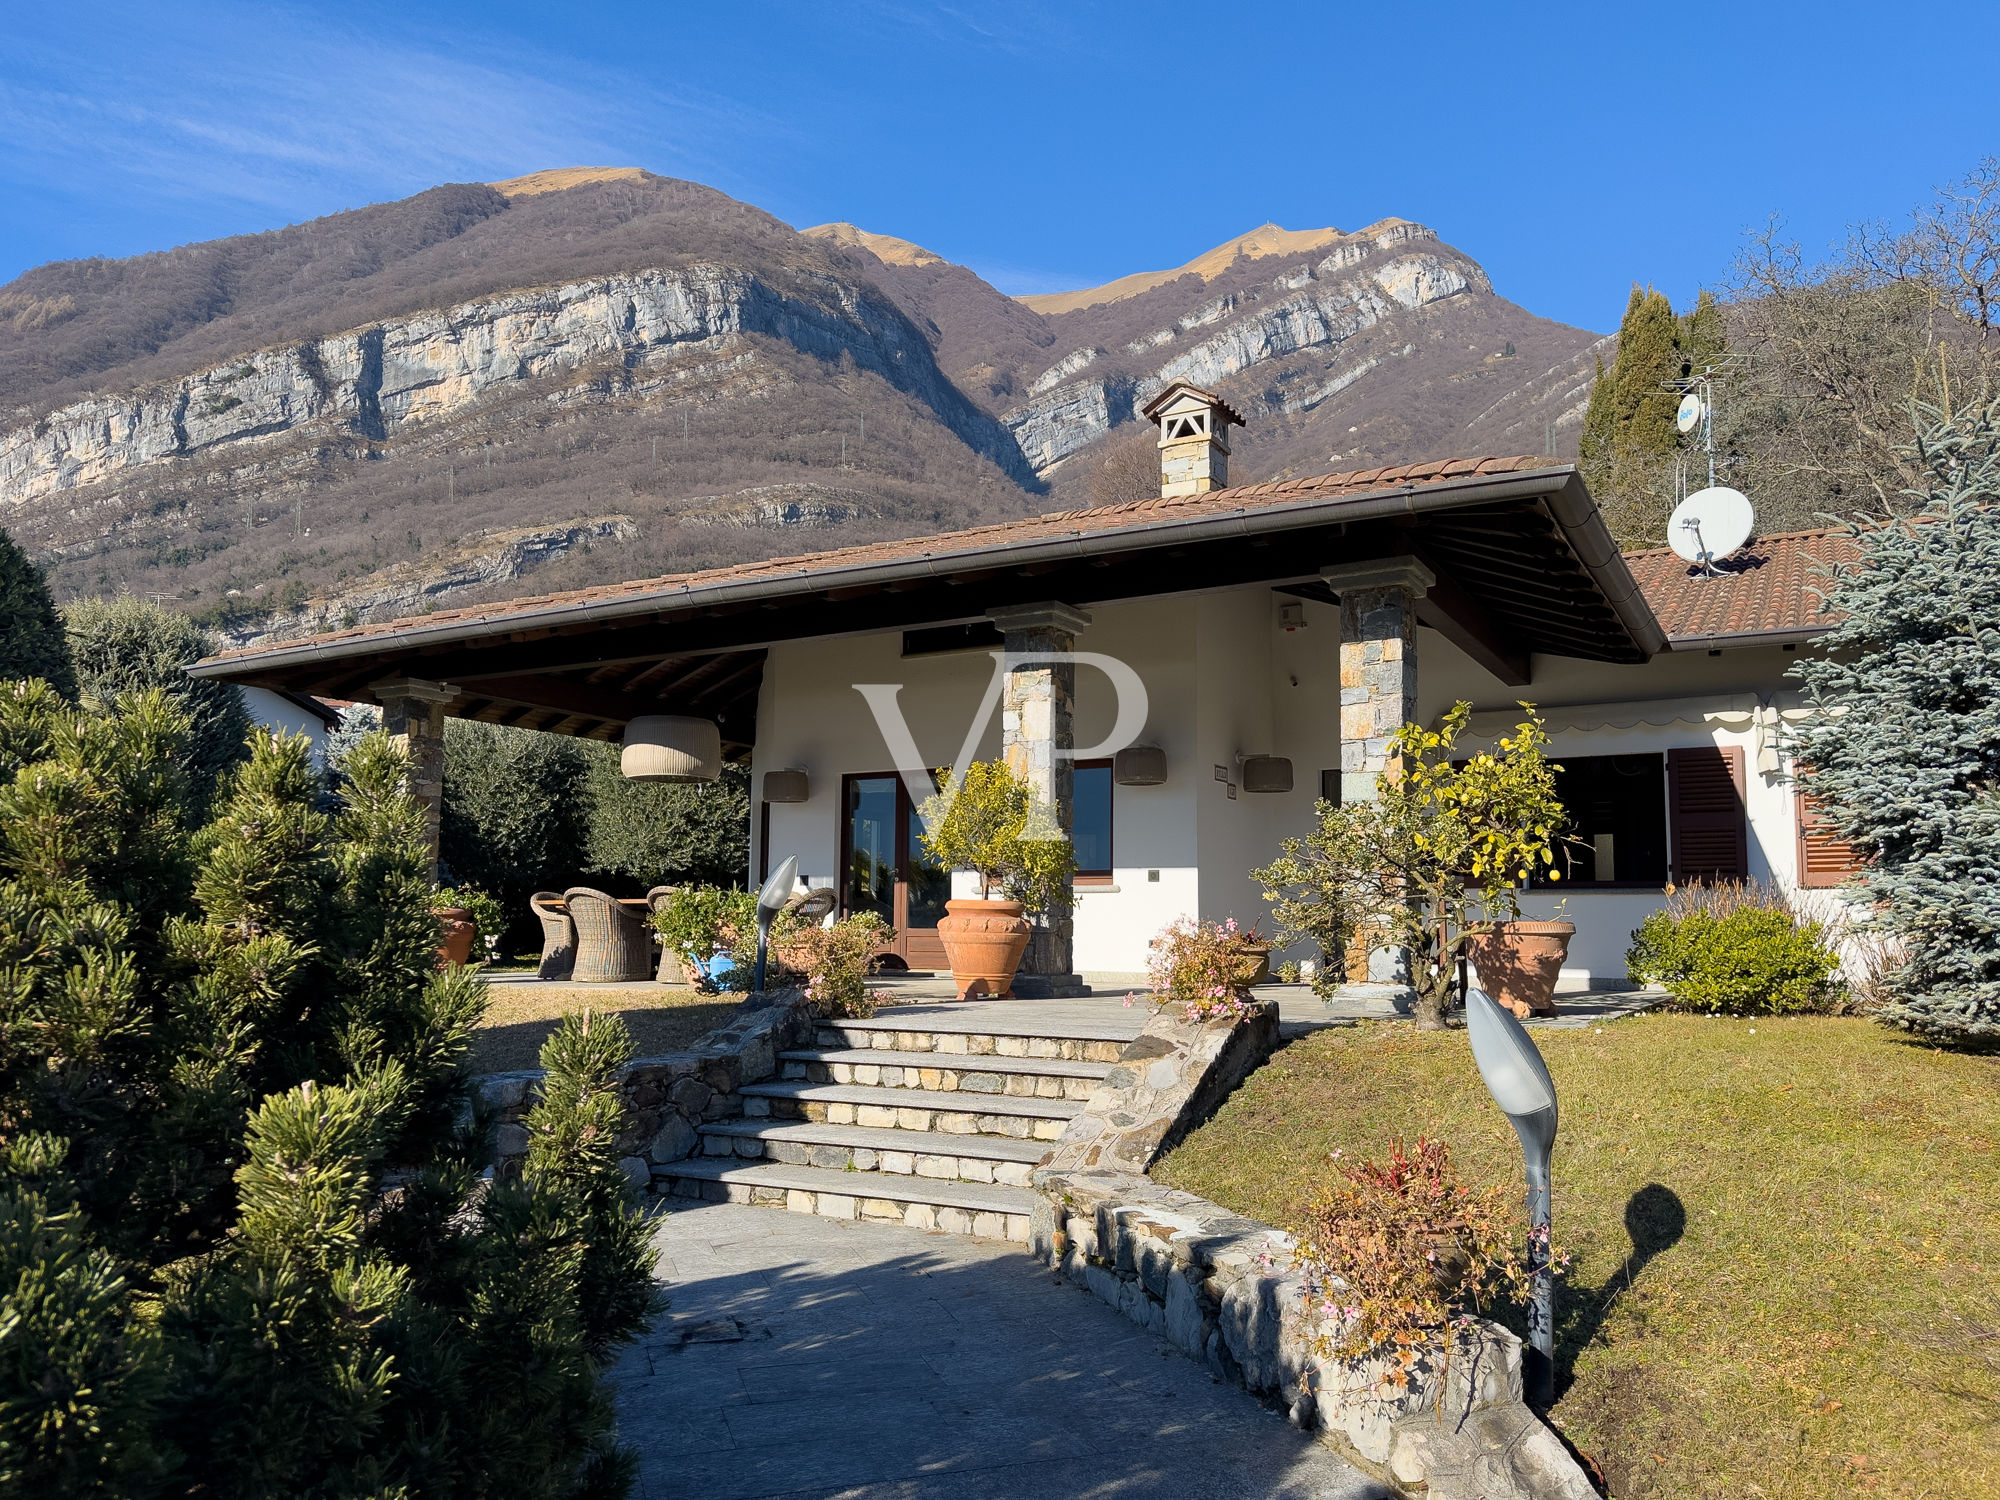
(1184,677)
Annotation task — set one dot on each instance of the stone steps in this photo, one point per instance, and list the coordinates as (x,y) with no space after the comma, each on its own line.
(986,1032)
(995,1212)
(934,1116)
(903,1153)
(939,1072)
(910,1109)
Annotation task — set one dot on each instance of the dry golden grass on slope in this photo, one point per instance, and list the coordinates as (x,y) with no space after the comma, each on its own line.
(520,1017)
(1786,1234)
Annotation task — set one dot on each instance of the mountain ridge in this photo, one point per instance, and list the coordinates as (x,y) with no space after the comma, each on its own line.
(275,428)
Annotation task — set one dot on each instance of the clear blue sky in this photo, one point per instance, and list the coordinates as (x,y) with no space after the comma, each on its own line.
(1570,149)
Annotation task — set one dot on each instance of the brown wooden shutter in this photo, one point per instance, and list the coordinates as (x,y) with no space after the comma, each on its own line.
(1824,857)
(1705,802)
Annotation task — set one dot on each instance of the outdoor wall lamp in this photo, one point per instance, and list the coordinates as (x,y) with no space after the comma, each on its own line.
(667,747)
(1139,765)
(1266,773)
(788,785)
(1519,1082)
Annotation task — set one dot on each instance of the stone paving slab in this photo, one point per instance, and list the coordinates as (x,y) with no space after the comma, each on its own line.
(944,1102)
(882,1363)
(954,1062)
(973,1197)
(871,1138)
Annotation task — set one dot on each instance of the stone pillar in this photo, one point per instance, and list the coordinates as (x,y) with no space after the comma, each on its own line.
(1378,665)
(1037,710)
(413,714)
(1378,695)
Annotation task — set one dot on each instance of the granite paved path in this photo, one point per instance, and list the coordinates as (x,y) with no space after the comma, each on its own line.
(806,1357)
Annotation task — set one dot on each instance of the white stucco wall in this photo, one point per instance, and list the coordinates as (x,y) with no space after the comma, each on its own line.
(1224,680)
(1605,920)
(274,711)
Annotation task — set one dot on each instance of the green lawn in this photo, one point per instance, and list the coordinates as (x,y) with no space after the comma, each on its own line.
(1786,1236)
(662,1018)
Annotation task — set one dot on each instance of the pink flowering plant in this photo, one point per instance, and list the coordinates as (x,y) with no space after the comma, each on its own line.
(1206,969)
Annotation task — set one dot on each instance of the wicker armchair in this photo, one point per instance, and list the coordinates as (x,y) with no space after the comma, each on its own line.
(613,944)
(671,969)
(558,935)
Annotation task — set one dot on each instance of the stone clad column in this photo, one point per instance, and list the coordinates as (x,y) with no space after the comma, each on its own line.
(413,714)
(1038,708)
(1378,665)
(1378,695)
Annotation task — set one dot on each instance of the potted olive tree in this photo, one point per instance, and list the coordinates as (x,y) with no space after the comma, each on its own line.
(1433,865)
(980,821)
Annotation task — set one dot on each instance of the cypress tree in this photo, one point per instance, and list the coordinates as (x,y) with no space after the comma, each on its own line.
(32,643)
(1905,754)
(1629,439)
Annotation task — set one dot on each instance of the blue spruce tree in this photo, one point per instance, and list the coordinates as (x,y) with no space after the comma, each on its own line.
(1907,757)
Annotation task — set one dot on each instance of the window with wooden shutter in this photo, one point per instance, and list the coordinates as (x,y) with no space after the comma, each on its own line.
(1705,805)
(1825,858)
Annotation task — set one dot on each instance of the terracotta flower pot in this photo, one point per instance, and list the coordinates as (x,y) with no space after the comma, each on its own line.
(1518,963)
(984,941)
(456,922)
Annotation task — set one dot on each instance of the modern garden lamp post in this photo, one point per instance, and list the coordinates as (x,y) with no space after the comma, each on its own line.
(1519,1082)
(770,901)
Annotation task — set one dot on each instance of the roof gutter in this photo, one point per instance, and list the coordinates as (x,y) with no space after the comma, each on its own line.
(1567,498)
(1747,638)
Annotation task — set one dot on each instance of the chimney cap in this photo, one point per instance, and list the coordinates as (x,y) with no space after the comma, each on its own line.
(1224,412)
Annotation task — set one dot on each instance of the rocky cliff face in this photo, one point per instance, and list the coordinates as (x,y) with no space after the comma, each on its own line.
(1319,305)
(375,382)
(326,414)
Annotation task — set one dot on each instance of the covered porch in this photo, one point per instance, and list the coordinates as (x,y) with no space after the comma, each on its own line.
(1504,563)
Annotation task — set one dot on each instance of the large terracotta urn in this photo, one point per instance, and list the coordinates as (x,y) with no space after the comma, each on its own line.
(458,929)
(1518,963)
(984,941)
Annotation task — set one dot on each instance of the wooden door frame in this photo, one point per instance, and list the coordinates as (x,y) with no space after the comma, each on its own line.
(927,951)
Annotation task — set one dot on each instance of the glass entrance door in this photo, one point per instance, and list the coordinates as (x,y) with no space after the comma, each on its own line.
(886,870)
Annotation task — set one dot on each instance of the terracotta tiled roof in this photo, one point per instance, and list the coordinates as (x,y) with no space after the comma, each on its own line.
(1054,525)
(1770,586)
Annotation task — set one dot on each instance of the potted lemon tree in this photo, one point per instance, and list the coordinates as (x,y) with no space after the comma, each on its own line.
(981,821)
(1434,865)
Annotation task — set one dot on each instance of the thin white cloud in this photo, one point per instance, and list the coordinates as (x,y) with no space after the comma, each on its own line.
(277,111)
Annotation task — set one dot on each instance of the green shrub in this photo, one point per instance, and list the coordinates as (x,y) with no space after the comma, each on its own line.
(831,962)
(1744,954)
(488,916)
(697,921)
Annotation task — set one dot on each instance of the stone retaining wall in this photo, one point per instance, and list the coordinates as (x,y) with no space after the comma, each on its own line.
(668,1098)
(1222,1289)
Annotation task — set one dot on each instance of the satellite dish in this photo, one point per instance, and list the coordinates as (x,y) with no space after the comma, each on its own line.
(1709,524)
(1689,416)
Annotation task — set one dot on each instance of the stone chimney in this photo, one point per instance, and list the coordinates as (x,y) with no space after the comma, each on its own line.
(1194,439)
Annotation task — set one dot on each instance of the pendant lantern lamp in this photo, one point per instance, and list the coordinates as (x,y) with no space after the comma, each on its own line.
(667,747)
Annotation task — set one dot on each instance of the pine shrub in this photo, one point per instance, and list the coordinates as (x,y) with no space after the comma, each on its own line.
(245,1244)
(126,645)
(1904,755)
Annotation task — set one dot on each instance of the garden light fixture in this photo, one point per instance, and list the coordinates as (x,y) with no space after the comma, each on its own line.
(771,900)
(1519,1082)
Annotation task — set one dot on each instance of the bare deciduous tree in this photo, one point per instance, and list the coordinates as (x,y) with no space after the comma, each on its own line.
(1838,351)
